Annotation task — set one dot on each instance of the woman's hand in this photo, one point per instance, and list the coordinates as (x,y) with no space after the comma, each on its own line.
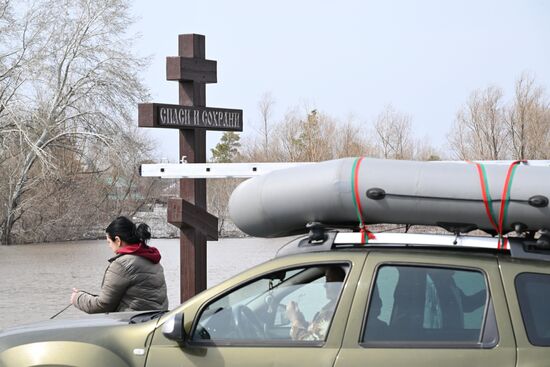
(74,295)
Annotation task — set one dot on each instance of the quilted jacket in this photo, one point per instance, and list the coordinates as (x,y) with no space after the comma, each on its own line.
(130,283)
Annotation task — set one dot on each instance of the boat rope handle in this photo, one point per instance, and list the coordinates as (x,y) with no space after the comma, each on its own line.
(365,233)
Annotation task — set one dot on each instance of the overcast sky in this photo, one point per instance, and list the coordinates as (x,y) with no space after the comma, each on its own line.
(348,57)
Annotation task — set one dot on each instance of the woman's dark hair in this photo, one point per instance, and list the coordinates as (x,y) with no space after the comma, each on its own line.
(127,231)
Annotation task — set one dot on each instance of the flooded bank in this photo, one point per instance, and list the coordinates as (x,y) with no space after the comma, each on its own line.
(36,280)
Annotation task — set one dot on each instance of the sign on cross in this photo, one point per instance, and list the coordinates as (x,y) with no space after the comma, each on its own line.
(188,212)
(184,117)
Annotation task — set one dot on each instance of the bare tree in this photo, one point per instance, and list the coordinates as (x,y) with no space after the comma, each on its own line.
(308,138)
(314,136)
(393,130)
(485,128)
(20,46)
(352,140)
(425,151)
(479,131)
(81,89)
(286,143)
(266,111)
(219,191)
(527,120)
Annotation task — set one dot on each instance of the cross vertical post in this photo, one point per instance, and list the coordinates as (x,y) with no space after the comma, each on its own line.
(192,145)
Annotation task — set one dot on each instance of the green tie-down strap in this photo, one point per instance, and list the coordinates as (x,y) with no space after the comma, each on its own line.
(504,202)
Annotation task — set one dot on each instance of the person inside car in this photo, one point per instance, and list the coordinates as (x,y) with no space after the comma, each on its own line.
(318,327)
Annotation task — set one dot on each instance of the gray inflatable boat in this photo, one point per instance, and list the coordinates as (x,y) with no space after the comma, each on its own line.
(459,196)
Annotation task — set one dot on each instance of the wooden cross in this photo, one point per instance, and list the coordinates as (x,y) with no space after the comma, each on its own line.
(192,118)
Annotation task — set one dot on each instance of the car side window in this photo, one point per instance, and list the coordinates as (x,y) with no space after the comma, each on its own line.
(533,292)
(285,306)
(425,306)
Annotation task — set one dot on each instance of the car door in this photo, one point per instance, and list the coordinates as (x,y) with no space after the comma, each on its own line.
(527,285)
(245,322)
(420,308)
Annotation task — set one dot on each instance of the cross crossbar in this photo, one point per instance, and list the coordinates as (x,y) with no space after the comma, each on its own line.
(246,170)
(212,170)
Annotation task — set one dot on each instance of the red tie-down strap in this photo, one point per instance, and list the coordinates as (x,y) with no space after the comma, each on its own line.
(504,201)
(366,235)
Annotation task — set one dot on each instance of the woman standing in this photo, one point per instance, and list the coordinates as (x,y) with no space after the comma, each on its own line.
(134,279)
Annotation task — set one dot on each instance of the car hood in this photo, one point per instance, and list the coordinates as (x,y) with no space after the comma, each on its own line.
(88,328)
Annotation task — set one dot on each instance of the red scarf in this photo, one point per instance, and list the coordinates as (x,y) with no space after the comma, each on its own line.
(141,249)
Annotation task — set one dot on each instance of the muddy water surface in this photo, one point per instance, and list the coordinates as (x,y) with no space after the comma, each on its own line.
(36,280)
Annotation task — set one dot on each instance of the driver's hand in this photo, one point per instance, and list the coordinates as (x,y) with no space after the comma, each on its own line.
(293,312)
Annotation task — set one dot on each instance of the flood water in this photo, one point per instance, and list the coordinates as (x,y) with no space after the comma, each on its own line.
(36,280)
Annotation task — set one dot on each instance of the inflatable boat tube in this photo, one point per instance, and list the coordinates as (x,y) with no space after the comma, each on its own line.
(352,191)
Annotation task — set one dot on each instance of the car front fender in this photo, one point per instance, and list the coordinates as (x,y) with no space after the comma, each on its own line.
(60,353)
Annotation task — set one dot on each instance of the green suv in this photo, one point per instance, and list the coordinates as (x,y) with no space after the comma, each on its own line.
(399,300)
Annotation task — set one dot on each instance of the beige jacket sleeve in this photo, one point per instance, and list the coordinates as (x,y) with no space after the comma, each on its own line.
(115,284)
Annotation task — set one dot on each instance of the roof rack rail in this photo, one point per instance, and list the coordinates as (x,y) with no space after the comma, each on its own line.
(533,249)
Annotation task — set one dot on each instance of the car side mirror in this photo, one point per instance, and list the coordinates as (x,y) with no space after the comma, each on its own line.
(173,328)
